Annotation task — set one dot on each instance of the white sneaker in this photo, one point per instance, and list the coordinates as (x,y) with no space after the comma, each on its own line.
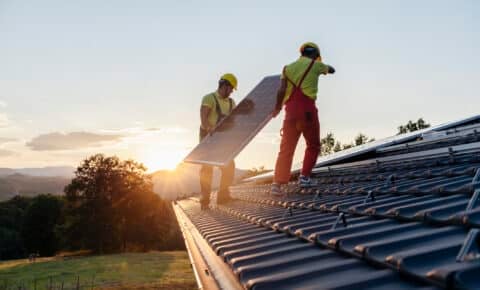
(275,190)
(305,181)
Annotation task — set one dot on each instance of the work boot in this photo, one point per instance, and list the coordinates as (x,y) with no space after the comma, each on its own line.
(204,202)
(305,181)
(276,190)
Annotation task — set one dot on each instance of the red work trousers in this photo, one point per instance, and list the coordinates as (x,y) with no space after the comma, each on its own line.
(301,118)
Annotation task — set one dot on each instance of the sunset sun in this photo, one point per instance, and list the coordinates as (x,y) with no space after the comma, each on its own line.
(162,160)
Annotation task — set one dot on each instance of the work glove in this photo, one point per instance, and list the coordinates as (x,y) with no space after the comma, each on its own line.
(331,70)
(245,107)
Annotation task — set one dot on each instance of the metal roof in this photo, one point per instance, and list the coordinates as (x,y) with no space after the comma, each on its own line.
(405,220)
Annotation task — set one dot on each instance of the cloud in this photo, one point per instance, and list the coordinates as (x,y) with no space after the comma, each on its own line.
(136,132)
(74,140)
(6,140)
(4,122)
(5,153)
(170,130)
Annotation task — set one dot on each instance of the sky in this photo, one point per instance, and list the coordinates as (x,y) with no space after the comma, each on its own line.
(126,78)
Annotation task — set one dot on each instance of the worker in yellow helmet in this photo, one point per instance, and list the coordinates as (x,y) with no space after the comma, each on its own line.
(298,92)
(216,106)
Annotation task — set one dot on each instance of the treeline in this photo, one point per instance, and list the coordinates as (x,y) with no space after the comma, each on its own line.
(255,171)
(330,145)
(412,126)
(109,206)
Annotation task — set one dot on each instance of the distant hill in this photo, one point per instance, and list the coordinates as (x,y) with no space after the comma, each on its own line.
(33,181)
(184,180)
(20,184)
(64,171)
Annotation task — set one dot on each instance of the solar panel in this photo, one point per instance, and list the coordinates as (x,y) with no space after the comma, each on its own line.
(234,132)
(373,146)
(325,160)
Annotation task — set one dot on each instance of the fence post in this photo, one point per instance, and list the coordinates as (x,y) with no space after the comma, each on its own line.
(93,281)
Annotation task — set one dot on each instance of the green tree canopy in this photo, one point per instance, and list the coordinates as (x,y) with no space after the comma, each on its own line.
(112,207)
(255,171)
(12,213)
(41,218)
(411,126)
(327,143)
(330,145)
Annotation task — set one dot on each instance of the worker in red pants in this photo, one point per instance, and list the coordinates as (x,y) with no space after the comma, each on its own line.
(298,92)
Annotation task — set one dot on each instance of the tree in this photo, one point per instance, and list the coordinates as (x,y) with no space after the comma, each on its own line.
(12,214)
(255,171)
(327,143)
(347,146)
(111,206)
(337,147)
(330,145)
(362,139)
(413,126)
(11,244)
(38,230)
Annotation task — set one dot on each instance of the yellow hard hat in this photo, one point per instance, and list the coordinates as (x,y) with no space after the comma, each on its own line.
(231,79)
(311,44)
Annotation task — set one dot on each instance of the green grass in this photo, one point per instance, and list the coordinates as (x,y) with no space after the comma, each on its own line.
(153,270)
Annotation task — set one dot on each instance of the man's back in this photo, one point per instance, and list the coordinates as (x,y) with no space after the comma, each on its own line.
(295,71)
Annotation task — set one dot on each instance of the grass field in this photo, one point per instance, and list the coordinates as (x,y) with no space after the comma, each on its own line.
(153,270)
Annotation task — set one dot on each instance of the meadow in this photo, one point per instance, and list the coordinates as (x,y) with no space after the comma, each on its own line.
(152,270)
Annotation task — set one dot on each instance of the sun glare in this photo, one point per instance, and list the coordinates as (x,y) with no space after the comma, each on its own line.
(162,160)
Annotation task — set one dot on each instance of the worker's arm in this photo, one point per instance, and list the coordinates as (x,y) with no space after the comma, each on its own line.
(280,96)
(204,112)
(324,68)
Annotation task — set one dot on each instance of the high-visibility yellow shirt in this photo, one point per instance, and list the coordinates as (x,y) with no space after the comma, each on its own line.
(295,71)
(223,103)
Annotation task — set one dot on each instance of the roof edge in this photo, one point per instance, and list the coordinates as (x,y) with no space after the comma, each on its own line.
(210,271)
